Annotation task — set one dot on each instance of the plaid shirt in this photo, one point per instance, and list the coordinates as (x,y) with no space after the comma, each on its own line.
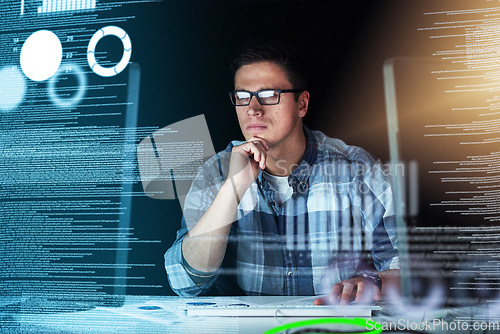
(340,211)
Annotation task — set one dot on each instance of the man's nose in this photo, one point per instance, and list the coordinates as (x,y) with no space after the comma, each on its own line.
(254,108)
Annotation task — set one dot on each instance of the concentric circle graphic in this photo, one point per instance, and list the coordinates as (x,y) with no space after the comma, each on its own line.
(127,51)
(69,68)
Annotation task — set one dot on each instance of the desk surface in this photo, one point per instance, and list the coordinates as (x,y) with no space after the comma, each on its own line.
(154,314)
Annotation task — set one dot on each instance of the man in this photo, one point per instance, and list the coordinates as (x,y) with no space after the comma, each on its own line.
(289,211)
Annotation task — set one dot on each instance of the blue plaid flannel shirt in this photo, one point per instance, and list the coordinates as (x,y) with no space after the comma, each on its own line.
(341,210)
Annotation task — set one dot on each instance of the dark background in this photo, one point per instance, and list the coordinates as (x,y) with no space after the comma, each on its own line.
(185,48)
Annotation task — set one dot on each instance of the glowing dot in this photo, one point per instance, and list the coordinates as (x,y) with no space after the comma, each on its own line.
(41,55)
(12,87)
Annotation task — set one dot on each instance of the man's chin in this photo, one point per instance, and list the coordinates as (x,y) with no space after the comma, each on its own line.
(249,137)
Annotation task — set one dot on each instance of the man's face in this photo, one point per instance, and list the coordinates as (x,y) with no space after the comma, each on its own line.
(274,123)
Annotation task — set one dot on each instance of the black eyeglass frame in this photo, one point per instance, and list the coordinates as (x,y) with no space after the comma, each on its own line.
(280,91)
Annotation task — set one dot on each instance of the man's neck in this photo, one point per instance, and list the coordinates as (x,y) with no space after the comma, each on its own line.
(283,159)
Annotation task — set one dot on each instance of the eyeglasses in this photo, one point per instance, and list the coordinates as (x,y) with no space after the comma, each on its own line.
(265,97)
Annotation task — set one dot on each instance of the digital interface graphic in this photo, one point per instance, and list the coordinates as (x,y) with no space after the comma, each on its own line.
(109,110)
(53,6)
(68,158)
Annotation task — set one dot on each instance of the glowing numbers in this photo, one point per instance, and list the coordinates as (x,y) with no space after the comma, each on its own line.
(41,55)
(127,51)
(371,326)
(82,83)
(12,87)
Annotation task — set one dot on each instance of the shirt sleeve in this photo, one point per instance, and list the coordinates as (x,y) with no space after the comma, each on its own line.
(179,278)
(199,198)
(379,216)
(199,277)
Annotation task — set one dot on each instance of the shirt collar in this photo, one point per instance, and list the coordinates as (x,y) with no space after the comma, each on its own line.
(311,153)
(303,171)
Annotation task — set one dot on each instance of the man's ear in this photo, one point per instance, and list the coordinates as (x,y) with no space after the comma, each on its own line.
(303,103)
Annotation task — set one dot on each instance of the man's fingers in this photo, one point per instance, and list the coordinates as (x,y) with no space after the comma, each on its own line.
(346,296)
(334,296)
(256,149)
(378,294)
(363,292)
(260,144)
(260,156)
(321,301)
(359,290)
(367,293)
(257,140)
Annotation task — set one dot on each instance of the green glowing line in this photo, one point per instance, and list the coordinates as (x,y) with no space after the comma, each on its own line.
(377,328)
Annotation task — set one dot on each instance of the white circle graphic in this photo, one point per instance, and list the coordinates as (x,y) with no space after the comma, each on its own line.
(69,68)
(12,87)
(127,51)
(41,55)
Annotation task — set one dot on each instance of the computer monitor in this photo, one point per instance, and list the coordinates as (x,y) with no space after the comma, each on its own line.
(441,132)
(68,166)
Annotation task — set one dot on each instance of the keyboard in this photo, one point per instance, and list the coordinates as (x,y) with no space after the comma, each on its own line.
(274,307)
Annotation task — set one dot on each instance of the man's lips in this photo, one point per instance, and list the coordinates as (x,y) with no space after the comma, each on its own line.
(256,127)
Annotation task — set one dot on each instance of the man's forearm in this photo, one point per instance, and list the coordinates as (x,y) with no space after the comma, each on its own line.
(205,245)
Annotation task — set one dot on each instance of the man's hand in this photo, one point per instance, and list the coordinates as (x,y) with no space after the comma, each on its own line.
(246,162)
(358,289)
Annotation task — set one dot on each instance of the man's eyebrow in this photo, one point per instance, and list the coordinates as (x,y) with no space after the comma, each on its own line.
(246,90)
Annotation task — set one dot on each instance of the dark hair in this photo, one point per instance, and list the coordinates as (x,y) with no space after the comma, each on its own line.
(279,53)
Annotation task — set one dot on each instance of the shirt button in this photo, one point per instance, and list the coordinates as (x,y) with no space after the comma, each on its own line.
(289,273)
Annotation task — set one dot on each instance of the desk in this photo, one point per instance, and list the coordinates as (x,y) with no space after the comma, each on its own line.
(139,314)
(154,314)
